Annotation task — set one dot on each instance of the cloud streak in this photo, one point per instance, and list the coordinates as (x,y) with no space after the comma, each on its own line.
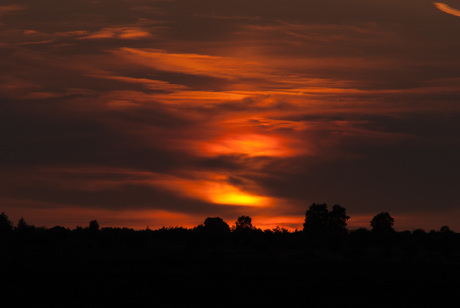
(8,9)
(447,9)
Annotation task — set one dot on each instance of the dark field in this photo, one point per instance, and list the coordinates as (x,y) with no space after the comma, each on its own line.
(178,267)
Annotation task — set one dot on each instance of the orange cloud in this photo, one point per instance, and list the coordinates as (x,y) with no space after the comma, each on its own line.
(247,144)
(7,9)
(447,9)
(206,186)
(270,222)
(200,97)
(214,188)
(151,84)
(120,33)
(253,136)
(196,64)
(222,193)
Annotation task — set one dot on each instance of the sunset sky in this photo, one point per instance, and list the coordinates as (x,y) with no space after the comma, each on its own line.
(163,112)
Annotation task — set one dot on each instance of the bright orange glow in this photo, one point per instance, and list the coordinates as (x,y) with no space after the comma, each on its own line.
(248,144)
(227,194)
(205,186)
(214,191)
(271,222)
(199,97)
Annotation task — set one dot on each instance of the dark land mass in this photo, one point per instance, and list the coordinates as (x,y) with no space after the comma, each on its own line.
(213,266)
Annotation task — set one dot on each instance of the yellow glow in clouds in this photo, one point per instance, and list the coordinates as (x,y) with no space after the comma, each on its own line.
(447,9)
(227,194)
(222,193)
(214,189)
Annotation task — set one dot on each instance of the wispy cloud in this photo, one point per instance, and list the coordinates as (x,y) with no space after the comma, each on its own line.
(447,9)
(195,64)
(126,33)
(8,9)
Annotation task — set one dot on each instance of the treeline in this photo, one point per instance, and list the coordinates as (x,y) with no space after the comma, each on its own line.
(319,221)
(324,233)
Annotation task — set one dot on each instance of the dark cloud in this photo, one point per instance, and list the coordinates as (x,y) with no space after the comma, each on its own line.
(415,175)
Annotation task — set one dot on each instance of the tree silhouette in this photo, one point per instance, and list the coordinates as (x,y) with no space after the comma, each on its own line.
(316,219)
(93,226)
(445,230)
(22,225)
(319,221)
(244,223)
(338,220)
(382,223)
(6,226)
(216,225)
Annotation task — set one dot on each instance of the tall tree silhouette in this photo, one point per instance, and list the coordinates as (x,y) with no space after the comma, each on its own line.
(22,225)
(382,223)
(93,226)
(316,219)
(6,226)
(244,223)
(319,221)
(338,219)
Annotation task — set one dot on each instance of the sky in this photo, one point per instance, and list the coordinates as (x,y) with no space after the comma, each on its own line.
(151,113)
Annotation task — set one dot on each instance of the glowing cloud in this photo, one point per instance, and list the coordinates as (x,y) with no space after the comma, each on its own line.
(227,194)
(120,33)
(248,144)
(151,84)
(447,9)
(196,64)
(213,188)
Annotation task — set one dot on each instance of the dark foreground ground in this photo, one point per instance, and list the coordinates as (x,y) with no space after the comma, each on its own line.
(189,272)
